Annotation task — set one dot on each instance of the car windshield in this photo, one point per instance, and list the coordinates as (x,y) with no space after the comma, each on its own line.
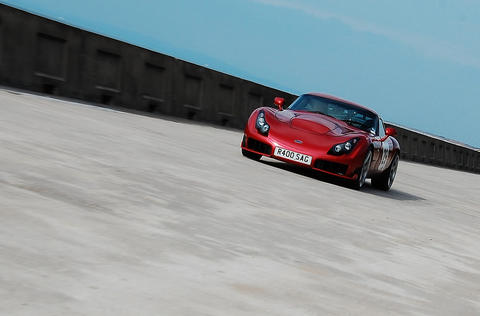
(348,113)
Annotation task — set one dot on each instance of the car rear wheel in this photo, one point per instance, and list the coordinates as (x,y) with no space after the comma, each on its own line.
(251,155)
(385,180)
(362,174)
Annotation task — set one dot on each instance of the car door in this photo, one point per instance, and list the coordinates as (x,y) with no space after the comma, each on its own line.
(383,149)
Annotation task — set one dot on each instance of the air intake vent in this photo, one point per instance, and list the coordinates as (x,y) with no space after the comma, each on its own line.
(330,166)
(258,146)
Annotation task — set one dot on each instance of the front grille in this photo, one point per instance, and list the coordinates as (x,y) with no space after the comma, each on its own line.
(258,146)
(333,167)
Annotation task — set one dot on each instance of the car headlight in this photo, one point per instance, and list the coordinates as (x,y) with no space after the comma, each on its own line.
(261,124)
(344,148)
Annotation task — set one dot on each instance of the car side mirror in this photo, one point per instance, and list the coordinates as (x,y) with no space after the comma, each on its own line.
(390,131)
(279,102)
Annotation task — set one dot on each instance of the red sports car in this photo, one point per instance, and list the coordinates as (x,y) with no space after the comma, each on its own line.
(327,134)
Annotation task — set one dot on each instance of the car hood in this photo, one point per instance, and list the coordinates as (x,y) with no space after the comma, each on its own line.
(314,123)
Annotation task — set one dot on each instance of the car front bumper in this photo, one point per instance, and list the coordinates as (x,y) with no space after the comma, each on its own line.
(344,166)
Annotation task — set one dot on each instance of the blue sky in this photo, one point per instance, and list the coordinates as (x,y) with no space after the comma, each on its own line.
(417,63)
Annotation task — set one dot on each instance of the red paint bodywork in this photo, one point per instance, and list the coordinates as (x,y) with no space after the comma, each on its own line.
(315,134)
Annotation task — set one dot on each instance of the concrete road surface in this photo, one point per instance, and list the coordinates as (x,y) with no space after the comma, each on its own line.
(110,213)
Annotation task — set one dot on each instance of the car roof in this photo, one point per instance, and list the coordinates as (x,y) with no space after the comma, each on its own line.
(331,97)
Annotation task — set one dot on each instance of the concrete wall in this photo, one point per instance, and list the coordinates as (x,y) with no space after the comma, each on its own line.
(46,56)
(420,147)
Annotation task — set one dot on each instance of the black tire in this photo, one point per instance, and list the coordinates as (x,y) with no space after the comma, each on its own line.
(385,180)
(362,174)
(251,155)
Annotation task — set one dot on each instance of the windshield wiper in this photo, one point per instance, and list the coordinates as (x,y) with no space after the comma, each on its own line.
(353,123)
(318,112)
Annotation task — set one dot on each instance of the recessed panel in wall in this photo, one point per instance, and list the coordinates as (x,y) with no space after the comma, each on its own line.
(50,57)
(226,98)
(108,71)
(154,81)
(1,46)
(193,91)
(254,101)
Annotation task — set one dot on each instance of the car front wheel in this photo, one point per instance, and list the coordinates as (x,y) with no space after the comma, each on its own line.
(362,174)
(385,180)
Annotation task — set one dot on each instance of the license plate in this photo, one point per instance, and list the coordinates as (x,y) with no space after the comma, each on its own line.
(291,155)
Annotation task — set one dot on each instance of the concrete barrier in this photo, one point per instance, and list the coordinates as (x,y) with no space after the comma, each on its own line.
(50,57)
(433,150)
